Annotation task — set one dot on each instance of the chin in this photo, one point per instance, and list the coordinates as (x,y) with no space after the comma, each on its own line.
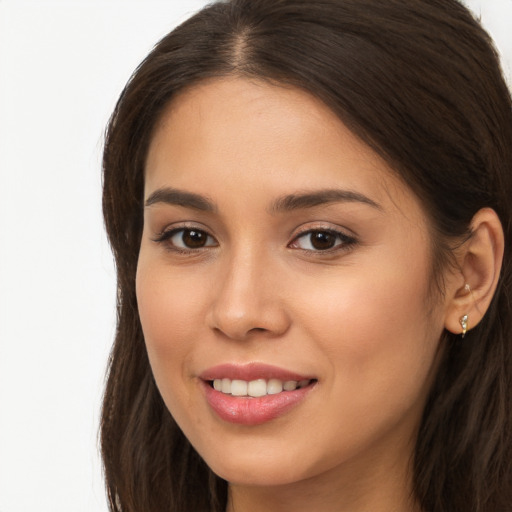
(247,474)
(260,466)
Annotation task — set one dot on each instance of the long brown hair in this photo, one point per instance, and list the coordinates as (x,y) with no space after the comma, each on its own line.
(420,82)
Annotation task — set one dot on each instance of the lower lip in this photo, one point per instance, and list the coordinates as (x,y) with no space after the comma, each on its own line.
(253,411)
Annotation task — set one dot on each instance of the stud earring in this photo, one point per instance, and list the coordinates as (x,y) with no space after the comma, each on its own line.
(464,324)
(467,287)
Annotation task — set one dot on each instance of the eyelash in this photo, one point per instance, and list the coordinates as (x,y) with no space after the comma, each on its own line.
(343,242)
(166,236)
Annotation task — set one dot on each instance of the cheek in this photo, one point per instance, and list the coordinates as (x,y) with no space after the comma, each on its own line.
(368,308)
(168,301)
(376,332)
(169,311)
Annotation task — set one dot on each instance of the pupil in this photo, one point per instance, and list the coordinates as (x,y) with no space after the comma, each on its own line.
(323,240)
(193,238)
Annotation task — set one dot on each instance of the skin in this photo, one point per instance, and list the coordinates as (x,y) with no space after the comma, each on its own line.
(359,317)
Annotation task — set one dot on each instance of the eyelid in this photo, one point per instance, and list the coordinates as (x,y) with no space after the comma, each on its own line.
(165,235)
(347,240)
(307,227)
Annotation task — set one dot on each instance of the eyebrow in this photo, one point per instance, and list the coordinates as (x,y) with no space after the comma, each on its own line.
(181,198)
(283,204)
(320,197)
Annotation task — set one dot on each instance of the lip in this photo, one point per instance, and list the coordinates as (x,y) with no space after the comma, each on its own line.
(251,371)
(248,410)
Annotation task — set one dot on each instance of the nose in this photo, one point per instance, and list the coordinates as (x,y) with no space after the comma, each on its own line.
(248,300)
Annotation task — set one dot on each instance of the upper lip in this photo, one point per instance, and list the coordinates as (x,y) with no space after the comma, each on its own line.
(251,371)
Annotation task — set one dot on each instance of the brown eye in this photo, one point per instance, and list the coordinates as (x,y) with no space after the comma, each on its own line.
(189,239)
(322,240)
(194,239)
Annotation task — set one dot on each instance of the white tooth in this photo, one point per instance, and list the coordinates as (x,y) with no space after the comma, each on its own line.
(226,386)
(290,385)
(303,383)
(217,384)
(257,388)
(238,387)
(274,386)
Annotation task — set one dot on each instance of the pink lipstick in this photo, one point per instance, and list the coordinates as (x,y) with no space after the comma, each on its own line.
(253,394)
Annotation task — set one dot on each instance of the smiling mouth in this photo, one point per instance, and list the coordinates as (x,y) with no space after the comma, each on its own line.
(257,388)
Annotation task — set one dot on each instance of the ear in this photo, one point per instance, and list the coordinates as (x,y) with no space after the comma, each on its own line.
(479,259)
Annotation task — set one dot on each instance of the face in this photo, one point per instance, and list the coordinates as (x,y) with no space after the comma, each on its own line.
(283,287)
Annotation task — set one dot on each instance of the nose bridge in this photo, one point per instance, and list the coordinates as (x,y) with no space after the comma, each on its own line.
(246,296)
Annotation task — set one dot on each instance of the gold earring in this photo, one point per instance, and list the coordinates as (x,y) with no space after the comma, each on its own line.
(464,324)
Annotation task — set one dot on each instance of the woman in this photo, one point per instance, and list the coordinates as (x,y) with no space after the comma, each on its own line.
(309,207)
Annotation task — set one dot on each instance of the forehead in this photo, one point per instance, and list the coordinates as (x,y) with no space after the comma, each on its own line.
(224,110)
(244,135)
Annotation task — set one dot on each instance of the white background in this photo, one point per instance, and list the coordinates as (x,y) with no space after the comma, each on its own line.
(62,66)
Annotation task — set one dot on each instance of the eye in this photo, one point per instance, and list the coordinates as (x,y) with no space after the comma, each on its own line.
(322,240)
(187,239)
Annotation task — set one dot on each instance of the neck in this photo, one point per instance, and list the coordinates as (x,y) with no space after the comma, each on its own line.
(308,496)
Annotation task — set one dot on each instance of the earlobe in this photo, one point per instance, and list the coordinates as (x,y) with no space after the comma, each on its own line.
(480,260)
